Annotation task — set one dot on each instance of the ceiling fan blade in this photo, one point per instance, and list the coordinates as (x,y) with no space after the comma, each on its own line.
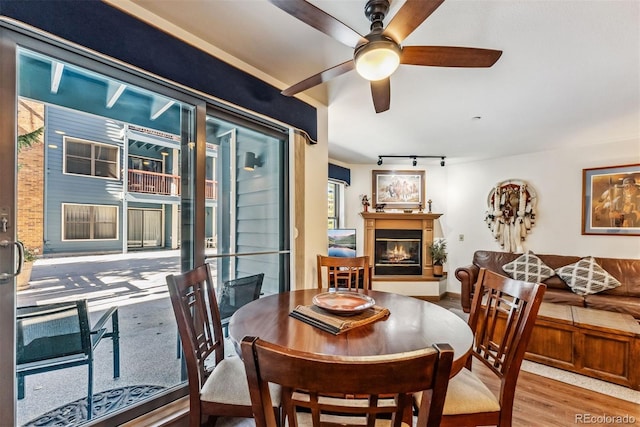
(449,56)
(319,78)
(381,93)
(409,17)
(320,20)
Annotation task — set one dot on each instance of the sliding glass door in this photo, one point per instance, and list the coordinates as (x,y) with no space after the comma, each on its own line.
(112,180)
(74,205)
(251,201)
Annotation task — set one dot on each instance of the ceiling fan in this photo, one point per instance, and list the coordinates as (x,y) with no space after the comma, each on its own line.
(378,54)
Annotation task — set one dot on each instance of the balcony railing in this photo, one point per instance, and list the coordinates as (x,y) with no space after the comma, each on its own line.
(163,184)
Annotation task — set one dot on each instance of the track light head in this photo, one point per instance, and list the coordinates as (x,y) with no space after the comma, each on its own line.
(379,161)
(415,162)
(442,161)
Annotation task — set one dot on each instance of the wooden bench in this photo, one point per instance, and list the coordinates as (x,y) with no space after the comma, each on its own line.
(596,343)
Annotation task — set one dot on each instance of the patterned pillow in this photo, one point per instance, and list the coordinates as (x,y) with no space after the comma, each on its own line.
(529,268)
(587,277)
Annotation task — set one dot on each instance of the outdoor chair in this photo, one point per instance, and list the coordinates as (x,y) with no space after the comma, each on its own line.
(503,313)
(236,293)
(217,384)
(324,390)
(57,336)
(345,273)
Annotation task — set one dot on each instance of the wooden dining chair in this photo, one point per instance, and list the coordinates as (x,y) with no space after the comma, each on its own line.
(347,273)
(503,313)
(219,386)
(323,390)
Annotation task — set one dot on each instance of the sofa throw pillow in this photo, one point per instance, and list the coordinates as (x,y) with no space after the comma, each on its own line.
(586,277)
(529,268)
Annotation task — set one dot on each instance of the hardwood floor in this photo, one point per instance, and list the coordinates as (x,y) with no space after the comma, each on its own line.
(540,401)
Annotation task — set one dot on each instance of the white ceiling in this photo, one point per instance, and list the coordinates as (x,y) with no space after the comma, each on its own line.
(569,75)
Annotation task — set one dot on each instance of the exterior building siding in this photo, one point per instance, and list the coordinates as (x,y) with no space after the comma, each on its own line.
(61,188)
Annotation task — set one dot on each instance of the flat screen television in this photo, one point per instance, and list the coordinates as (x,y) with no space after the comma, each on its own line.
(342,242)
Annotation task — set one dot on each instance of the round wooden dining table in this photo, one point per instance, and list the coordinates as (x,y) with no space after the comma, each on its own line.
(412,324)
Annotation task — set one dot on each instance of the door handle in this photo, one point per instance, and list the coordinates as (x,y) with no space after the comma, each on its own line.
(18,268)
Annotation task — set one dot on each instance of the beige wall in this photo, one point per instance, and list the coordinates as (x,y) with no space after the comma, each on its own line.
(314,194)
(459,192)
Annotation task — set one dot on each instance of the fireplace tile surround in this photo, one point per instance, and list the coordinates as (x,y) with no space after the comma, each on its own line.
(380,227)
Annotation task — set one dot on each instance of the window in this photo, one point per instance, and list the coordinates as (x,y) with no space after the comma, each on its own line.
(146,164)
(90,158)
(333,202)
(90,222)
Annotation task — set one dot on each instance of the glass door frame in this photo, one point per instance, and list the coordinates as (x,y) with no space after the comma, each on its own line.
(193,167)
(8,211)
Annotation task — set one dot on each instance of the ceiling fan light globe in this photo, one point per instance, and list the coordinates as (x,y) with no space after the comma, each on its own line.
(377,59)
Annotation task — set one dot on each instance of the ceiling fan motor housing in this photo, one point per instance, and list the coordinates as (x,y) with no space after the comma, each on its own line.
(375,11)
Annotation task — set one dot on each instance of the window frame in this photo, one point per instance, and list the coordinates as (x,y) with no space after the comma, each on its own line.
(93,224)
(70,139)
(338,202)
(143,158)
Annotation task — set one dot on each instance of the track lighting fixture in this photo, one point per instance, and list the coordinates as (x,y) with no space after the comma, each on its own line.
(413,157)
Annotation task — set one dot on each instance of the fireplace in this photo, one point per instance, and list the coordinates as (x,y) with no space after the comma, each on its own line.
(397,243)
(398,252)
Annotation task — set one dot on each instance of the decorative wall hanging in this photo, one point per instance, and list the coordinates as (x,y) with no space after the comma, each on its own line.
(511,213)
(611,200)
(398,189)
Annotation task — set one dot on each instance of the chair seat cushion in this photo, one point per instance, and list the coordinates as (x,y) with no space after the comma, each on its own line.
(228,384)
(467,394)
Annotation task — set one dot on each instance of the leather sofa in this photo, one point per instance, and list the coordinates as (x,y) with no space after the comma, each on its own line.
(623,299)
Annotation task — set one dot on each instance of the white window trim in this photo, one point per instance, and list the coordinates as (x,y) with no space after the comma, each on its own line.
(88,141)
(62,225)
(340,201)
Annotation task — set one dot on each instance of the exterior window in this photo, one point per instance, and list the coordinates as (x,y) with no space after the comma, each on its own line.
(146,164)
(90,222)
(333,201)
(92,159)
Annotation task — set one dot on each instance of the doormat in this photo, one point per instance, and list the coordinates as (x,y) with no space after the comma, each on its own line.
(75,413)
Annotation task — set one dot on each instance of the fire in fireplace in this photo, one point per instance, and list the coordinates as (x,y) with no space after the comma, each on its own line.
(397,252)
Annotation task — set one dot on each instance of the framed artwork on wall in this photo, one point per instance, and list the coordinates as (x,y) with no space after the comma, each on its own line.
(611,200)
(398,189)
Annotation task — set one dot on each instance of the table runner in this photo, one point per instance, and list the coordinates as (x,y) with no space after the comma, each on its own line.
(336,324)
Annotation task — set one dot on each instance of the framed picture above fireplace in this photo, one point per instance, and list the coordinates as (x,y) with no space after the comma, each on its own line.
(398,189)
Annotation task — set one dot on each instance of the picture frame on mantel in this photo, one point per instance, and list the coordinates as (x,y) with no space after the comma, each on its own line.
(611,200)
(398,189)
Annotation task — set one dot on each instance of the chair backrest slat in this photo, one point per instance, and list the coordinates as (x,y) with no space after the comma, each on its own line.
(339,272)
(502,318)
(333,389)
(196,310)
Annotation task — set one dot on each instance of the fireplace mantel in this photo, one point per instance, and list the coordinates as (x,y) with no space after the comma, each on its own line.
(409,221)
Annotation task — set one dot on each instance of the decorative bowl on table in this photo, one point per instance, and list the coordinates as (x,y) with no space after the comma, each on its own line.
(343,303)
